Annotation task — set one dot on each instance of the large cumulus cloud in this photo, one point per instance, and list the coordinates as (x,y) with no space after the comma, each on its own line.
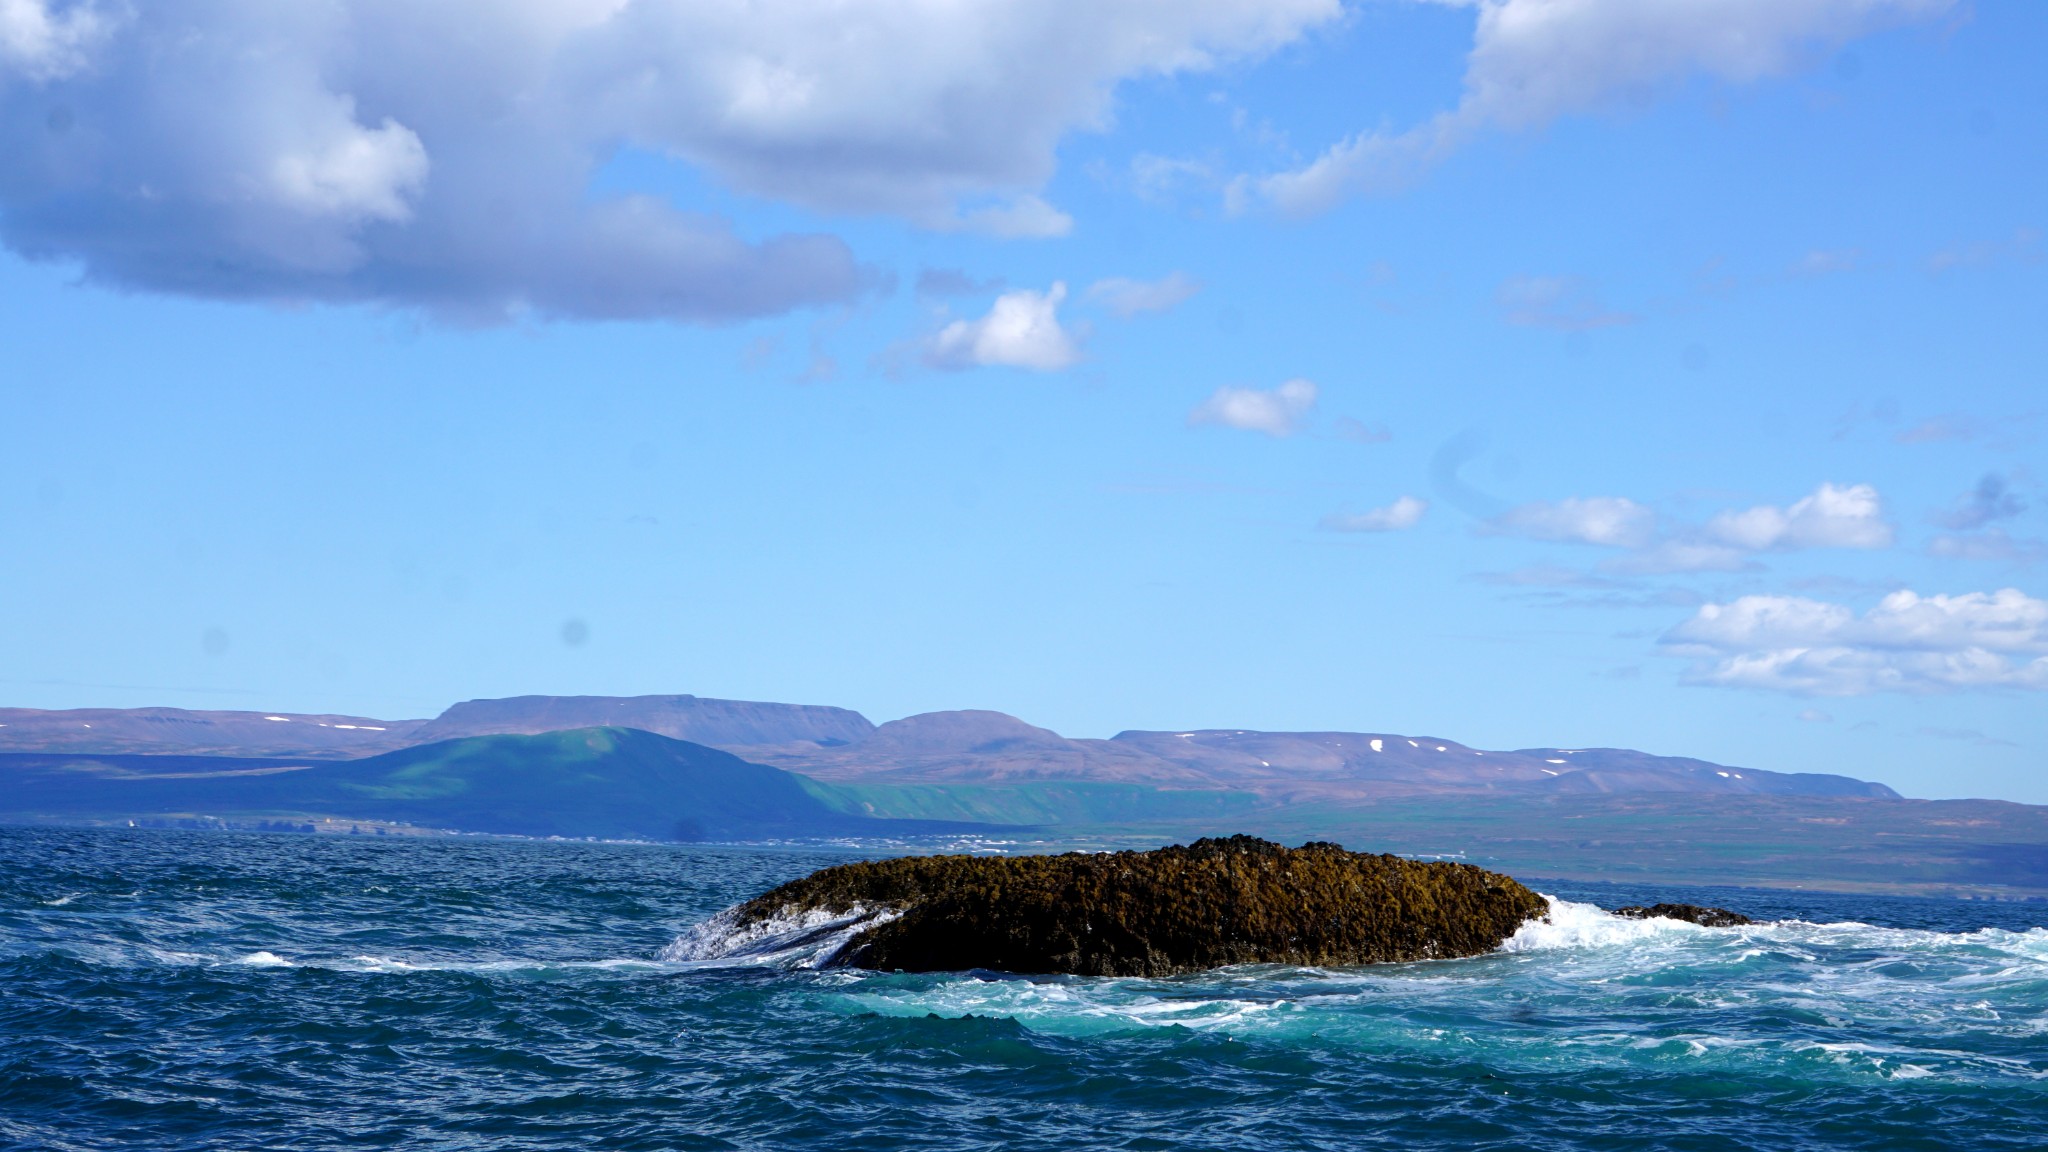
(443,155)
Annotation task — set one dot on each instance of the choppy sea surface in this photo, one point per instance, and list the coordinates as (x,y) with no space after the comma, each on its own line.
(168,990)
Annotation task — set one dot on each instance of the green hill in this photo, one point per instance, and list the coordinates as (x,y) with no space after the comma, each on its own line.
(611,783)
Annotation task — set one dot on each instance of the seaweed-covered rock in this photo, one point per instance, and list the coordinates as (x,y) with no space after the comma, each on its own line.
(1215,902)
(1691,913)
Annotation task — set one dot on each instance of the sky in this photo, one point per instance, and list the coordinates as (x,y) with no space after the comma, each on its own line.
(1525,372)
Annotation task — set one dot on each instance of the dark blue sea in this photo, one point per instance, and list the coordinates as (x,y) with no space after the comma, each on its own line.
(196,990)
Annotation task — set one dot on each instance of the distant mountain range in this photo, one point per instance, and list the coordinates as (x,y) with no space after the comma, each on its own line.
(837,745)
(671,768)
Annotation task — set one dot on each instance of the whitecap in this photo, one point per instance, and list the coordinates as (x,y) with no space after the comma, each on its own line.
(61,901)
(806,939)
(264,960)
(1570,925)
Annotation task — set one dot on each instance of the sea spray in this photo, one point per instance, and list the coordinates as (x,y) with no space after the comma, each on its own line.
(807,938)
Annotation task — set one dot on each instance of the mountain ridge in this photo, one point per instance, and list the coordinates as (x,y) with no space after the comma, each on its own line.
(938,749)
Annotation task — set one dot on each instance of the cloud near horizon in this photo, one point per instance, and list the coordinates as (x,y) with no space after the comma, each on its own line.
(1906,643)
(1534,61)
(442,156)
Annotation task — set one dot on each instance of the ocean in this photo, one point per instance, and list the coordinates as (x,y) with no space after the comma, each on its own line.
(170,990)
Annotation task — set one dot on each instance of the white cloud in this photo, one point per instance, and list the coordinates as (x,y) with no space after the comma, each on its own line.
(1128,298)
(43,44)
(1405,512)
(1907,643)
(443,155)
(1614,521)
(1533,61)
(1832,517)
(354,173)
(1021,330)
(1276,412)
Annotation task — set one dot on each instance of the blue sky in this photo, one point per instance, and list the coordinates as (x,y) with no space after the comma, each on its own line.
(1537,372)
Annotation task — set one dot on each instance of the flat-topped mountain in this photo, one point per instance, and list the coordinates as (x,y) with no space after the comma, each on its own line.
(718,723)
(188,732)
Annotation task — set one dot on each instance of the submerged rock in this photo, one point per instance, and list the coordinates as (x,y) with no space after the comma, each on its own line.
(1691,913)
(1212,903)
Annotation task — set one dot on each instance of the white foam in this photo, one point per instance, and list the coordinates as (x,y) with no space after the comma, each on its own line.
(61,901)
(1081,1008)
(264,960)
(1570,925)
(806,939)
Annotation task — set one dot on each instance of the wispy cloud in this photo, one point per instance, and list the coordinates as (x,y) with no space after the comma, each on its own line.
(1533,61)
(1832,516)
(1992,499)
(1563,303)
(1992,544)
(941,283)
(1405,512)
(1827,262)
(1024,217)
(1965,735)
(2022,245)
(1940,430)
(1359,432)
(1127,298)
(1611,521)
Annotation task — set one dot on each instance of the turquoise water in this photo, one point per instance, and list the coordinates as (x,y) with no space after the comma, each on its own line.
(164,990)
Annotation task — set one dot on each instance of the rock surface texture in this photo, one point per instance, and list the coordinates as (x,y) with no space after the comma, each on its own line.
(1181,909)
(1690,913)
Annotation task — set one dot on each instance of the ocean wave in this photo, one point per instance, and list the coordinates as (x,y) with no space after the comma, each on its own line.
(806,939)
(1570,925)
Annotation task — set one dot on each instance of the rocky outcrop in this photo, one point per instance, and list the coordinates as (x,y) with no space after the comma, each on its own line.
(1690,913)
(1181,909)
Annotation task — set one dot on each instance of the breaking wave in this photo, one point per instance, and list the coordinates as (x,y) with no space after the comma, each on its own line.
(807,939)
